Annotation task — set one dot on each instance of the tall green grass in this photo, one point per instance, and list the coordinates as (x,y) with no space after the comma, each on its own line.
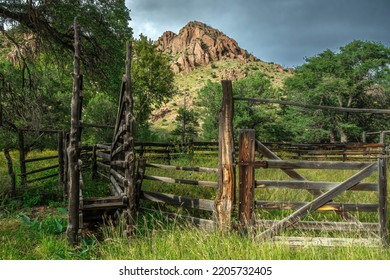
(158,237)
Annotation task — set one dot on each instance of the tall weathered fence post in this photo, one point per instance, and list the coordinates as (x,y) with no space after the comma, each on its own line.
(130,155)
(382,182)
(246,158)
(224,202)
(73,149)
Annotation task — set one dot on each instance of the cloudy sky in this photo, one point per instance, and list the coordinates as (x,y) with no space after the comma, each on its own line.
(281,31)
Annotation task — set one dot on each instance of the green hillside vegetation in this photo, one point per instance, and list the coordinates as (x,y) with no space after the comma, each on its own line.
(189,85)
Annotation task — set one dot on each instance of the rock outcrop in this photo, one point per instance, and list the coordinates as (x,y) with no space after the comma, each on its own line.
(198,44)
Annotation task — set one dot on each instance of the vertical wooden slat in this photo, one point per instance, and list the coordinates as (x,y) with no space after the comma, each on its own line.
(94,163)
(383,217)
(22,158)
(10,172)
(60,148)
(246,159)
(73,149)
(141,167)
(224,201)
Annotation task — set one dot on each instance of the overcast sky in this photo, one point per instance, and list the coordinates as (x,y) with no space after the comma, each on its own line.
(280,31)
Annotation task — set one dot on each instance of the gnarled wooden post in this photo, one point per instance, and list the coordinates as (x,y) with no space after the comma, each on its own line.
(224,202)
(73,148)
(130,155)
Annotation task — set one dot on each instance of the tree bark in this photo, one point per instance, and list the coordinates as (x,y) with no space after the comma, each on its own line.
(10,172)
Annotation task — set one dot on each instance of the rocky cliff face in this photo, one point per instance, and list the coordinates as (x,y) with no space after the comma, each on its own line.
(198,44)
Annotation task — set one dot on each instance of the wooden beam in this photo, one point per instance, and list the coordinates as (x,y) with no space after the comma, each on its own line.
(312,185)
(104,156)
(310,106)
(182,168)
(194,203)
(40,170)
(182,181)
(40,158)
(284,164)
(324,226)
(318,202)
(331,206)
(42,178)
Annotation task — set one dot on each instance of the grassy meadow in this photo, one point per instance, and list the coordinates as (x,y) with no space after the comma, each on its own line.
(32,226)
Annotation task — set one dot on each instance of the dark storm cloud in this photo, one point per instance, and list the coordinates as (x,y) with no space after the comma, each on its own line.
(282,31)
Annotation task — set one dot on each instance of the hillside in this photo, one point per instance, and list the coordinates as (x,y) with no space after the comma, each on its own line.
(200,53)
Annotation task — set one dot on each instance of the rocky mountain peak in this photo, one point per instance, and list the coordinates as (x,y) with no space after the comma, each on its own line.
(198,44)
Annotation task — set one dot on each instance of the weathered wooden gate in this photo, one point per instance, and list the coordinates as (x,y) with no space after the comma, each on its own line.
(323,193)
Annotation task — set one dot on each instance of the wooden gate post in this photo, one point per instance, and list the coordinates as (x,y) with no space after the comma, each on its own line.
(383,217)
(246,158)
(225,199)
(22,159)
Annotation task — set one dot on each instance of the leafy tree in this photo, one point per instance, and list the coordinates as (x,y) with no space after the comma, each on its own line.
(265,119)
(187,125)
(152,81)
(36,47)
(104,32)
(101,109)
(355,77)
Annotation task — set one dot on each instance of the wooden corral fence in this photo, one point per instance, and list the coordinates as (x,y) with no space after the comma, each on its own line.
(128,170)
(146,163)
(309,151)
(250,209)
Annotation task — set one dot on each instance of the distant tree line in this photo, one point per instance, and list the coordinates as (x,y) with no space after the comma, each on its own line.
(357,76)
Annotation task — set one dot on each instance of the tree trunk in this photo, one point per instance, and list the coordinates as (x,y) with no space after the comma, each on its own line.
(10,172)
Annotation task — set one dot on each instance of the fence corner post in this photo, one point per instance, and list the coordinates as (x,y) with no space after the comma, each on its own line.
(224,202)
(246,158)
